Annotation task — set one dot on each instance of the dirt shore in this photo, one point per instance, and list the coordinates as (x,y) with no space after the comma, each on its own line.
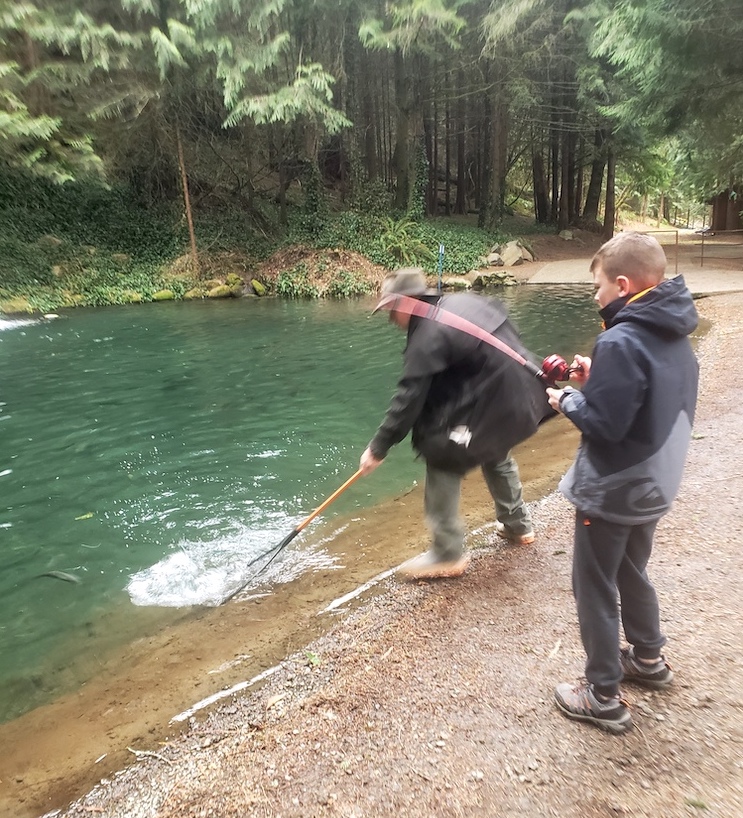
(436,698)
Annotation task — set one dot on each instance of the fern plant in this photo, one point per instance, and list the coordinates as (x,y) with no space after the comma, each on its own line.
(400,240)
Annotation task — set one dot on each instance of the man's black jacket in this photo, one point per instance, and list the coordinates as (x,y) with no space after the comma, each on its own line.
(466,402)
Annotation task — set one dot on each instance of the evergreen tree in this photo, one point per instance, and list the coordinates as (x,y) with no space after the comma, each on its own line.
(684,63)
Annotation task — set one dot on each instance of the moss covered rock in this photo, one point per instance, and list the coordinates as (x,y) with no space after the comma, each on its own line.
(258,288)
(456,283)
(220,291)
(163,295)
(15,304)
(131,297)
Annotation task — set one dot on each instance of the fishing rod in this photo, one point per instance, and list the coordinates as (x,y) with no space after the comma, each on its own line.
(554,367)
(277,549)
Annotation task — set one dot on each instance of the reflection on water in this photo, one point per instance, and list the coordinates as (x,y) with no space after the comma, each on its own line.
(156,452)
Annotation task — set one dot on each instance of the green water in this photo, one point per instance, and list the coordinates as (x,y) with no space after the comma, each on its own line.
(154,452)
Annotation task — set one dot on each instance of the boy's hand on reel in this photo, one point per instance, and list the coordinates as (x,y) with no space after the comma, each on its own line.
(580,369)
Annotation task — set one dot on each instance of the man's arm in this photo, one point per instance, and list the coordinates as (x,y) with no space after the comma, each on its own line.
(403,411)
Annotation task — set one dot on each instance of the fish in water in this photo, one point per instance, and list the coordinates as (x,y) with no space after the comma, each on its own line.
(63,575)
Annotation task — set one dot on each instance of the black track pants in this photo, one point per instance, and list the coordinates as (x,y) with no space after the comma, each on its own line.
(610,559)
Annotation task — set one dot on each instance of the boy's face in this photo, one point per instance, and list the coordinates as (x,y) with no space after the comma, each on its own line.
(607,290)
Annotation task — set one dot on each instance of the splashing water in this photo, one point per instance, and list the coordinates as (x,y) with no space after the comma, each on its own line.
(209,573)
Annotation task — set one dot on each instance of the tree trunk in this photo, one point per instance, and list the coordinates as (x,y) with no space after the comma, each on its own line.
(460,206)
(563,214)
(593,195)
(433,167)
(429,147)
(579,179)
(569,175)
(401,156)
(187,201)
(498,158)
(283,219)
(554,174)
(371,158)
(447,152)
(609,209)
(485,168)
(385,131)
(732,211)
(541,196)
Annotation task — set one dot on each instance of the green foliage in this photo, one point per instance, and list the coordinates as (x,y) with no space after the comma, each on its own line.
(348,284)
(403,242)
(314,211)
(295,283)
(371,198)
(233,228)
(417,206)
(84,244)
(682,65)
(309,95)
(80,244)
(400,239)
(464,246)
(38,129)
(414,25)
(87,214)
(312,659)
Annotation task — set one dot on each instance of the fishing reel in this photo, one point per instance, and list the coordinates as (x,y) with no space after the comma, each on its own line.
(556,368)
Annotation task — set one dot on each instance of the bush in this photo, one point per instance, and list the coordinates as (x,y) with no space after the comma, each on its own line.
(406,242)
(295,283)
(82,243)
(348,284)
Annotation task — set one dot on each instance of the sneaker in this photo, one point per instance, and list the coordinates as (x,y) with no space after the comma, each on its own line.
(514,539)
(658,676)
(580,702)
(431,566)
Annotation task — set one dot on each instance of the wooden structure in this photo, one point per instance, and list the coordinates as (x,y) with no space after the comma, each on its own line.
(726,209)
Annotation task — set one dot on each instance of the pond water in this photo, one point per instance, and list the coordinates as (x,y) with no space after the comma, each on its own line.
(151,454)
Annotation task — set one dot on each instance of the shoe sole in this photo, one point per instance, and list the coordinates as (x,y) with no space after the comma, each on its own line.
(524,539)
(447,570)
(616,728)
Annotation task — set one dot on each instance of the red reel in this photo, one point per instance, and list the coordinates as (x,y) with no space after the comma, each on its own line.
(556,368)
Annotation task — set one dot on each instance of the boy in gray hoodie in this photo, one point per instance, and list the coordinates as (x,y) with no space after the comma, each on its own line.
(635,412)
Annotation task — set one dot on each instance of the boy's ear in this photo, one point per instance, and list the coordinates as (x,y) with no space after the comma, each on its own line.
(624,285)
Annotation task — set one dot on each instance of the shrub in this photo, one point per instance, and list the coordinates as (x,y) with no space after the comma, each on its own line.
(348,284)
(295,283)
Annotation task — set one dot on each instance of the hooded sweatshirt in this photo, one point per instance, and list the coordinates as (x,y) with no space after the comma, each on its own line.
(636,410)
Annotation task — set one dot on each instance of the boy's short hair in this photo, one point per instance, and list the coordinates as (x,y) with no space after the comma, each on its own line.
(638,256)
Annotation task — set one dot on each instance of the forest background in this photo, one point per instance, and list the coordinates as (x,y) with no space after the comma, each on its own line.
(157,149)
